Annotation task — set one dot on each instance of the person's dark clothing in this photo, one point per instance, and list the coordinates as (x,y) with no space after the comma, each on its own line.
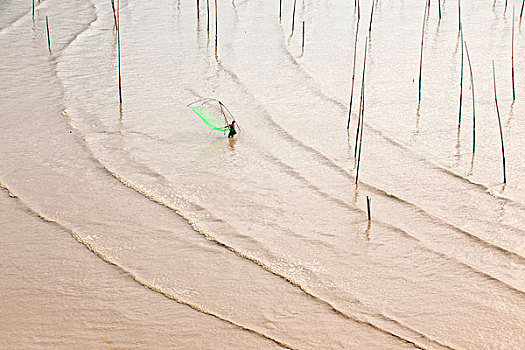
(232,130)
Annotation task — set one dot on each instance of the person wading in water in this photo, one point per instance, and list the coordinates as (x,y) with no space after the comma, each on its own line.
(232,129)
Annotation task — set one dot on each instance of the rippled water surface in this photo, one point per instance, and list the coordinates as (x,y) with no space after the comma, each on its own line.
(135,226)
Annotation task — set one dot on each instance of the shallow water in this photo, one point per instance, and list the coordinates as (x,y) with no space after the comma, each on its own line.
(264,238)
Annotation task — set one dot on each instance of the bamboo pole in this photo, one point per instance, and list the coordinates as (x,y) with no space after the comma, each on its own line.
(358,122)
(368,208)
(208,15)
(280,9)
(360,142)
(461,85)
(216,26)
(522,5)
(361,132)
(48,38)
(421,56)
(505,11)
(362,117)
(33,13)
(439,6)
(473,103)
(303,38)
(114,13)
(118,42)
(198,12)
(293,15)
(371,18)
(361,105)
(459,15)
(513,86)
(499,121)
(353,76)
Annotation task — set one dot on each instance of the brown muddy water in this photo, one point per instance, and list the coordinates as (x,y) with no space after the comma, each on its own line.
(138,227)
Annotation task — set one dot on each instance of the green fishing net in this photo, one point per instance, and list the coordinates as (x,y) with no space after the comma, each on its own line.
(213,121)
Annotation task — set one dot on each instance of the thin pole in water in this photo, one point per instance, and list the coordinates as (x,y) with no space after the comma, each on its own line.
(358,122)
(360,138)
(439,6)
(513,86)
(208,15)
(362,118)
(293,16)
(473,103)
(461,85)
(48,39)
(216,34)
(118,42)
(499,121)
(280,9)
(505,11)
(303,38)
(522,5)
(114,14)
(198,14)
(371,18)
(353,77)
(421,56)
(459,15)
(368,208)
(33,13)
(361,106)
